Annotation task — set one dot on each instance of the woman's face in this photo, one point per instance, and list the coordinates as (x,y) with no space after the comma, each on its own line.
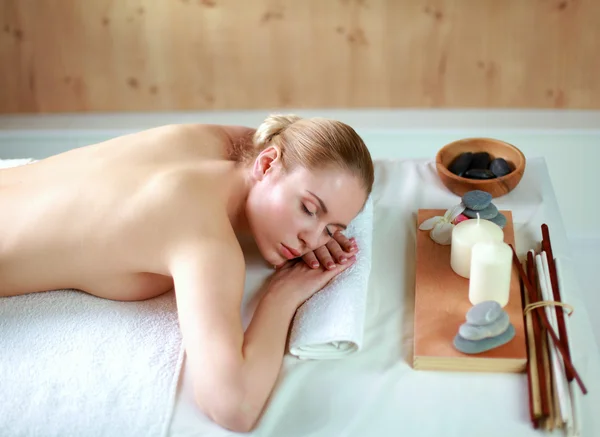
(292,213)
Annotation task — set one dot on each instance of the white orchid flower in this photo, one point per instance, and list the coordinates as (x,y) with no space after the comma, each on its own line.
(441,227)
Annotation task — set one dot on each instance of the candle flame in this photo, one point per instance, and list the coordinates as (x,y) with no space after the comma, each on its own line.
(477,218)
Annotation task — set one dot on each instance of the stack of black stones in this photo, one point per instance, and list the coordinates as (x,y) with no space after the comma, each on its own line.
(479,165)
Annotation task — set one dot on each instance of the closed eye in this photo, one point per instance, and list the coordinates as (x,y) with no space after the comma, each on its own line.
(312,214)
(307,211)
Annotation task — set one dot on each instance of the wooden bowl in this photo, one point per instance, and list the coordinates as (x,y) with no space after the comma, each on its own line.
(497,149)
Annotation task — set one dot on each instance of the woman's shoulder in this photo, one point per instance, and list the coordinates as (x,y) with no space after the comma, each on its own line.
(193,196)
(213,139)
(231,141)
(199,226)
(185,211)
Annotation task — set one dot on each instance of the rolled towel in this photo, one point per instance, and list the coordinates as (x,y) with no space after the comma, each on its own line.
(330,324)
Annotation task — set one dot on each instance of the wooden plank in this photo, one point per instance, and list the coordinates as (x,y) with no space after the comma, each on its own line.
(441,303)
(135,55)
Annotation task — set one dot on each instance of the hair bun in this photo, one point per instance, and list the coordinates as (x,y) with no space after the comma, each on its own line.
(273,125)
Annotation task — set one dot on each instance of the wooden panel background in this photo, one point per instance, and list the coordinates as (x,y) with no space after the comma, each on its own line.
(157,55)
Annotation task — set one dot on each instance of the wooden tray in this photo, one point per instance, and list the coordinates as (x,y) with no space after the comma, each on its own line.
(441,304)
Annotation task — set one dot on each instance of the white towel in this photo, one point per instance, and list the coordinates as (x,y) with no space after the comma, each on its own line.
(330,325)
(72,364)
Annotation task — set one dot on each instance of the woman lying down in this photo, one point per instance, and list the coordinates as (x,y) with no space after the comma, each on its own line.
(136,216)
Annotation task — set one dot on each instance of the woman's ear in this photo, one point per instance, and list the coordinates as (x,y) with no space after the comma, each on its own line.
(268,160)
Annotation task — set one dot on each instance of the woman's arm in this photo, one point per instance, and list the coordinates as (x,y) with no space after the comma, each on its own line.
(234,372)
(208,278)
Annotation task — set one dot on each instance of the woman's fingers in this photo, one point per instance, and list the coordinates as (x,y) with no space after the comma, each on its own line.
(337,269)
(336,251)
(311,260)
(348,244)
(325,258)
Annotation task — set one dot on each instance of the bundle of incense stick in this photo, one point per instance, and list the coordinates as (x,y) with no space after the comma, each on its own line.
(551,376)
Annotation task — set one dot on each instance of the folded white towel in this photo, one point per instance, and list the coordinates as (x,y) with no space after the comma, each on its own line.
(330,324)
(72,364)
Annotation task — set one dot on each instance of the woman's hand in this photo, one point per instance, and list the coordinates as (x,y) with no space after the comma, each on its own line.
(337,251)
(298,282)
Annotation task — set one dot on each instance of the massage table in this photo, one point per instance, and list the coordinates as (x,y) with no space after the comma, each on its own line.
(372,392)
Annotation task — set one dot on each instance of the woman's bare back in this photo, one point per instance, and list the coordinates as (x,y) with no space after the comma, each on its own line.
(98,218)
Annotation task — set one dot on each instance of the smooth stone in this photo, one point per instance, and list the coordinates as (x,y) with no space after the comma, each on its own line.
(477,199)
(481,161)
(476,173)
(500,167)
(487,213)
(476,347)
(479,332)
(500,220)
(461,163)
(484,313)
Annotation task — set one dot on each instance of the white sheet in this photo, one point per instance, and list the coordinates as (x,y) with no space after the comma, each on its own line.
(376,392)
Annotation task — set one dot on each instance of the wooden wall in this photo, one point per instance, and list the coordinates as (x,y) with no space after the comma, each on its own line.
(158,55)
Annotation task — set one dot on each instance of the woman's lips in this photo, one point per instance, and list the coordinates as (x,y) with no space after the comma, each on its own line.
(288,252)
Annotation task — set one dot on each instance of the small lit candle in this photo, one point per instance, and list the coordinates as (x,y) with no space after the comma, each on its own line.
(464,236)
(491,264)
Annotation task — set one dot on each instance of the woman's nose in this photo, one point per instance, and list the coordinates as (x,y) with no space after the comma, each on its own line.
(311,238)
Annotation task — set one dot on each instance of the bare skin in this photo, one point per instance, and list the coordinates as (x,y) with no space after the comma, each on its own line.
(139,215)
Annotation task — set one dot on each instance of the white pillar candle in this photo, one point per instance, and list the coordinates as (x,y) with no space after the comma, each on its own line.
(464,236)
(491,267)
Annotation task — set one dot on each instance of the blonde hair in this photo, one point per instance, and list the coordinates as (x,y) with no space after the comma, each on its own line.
(315,143)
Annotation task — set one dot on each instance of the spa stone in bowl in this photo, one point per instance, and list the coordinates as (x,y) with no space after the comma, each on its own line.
(461,163)
(479,173)
(481,161)
(500,167)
